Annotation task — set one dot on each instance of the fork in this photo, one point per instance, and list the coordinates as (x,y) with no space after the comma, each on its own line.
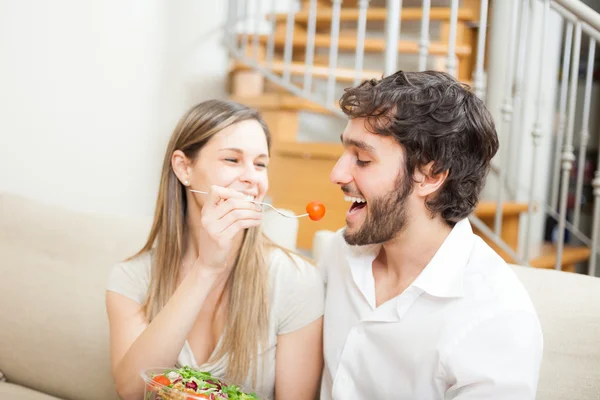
(262,204)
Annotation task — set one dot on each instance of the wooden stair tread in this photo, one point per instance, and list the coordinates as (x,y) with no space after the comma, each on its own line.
(318,71)
(544,256)
(324,15)
(370,44)
(487,209)
(278,101)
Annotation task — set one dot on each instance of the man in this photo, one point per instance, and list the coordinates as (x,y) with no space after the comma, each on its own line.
(417,306)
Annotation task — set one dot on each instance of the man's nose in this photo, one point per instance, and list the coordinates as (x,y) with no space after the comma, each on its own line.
(340,174)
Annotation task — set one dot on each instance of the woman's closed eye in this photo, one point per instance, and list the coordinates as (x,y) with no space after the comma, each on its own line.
(362,163)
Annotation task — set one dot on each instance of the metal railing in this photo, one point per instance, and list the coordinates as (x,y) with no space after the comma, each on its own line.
(276,61)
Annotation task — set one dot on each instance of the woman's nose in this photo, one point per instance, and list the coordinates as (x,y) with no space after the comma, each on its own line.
(249,174)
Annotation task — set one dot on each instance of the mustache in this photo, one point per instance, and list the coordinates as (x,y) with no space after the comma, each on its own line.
(348,191)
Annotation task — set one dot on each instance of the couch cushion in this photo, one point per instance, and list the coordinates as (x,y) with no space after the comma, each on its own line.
(568,306)
(53,267)
(16,392)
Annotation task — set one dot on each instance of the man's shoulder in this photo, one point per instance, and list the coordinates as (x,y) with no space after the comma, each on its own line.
(492,283)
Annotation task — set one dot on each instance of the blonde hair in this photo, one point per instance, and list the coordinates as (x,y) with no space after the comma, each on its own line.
(247,323)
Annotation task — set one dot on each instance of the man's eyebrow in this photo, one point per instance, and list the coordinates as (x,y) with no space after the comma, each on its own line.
(357,143)
(240,151)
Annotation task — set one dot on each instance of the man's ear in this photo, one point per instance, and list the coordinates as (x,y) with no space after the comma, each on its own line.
(181,166)
(426,183)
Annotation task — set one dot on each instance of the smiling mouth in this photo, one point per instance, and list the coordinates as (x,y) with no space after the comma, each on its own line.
(357,202)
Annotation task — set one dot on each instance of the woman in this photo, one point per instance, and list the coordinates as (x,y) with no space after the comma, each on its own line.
(208,289)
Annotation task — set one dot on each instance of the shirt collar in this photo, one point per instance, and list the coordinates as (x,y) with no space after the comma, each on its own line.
(443,276)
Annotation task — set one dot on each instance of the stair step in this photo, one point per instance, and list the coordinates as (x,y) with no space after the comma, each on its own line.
(278,101)
(487,209)
(318,71)
(544,256)
(324,15)
(370,44)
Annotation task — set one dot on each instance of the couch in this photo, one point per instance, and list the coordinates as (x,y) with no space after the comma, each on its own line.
(53,326)
(54,263)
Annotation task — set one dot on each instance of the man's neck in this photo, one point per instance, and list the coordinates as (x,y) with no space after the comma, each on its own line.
(402,259)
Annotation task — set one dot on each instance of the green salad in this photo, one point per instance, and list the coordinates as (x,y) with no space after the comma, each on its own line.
(178,384)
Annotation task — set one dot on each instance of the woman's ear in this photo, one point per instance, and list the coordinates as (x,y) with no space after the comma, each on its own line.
(181,166)
(427,183)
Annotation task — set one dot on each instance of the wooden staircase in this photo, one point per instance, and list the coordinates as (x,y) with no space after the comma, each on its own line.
(299,171)
(466,40)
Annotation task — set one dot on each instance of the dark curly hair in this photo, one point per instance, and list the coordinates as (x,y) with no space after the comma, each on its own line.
(435,119)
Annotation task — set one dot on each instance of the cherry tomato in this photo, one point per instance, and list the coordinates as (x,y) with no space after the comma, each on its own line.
(315,210)
(161,379)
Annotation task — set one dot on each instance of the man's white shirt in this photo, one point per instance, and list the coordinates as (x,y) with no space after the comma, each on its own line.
(464,329)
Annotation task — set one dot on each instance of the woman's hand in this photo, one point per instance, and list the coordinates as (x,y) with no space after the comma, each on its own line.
(225,214)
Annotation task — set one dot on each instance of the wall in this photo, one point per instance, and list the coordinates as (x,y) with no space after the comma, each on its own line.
(90,93)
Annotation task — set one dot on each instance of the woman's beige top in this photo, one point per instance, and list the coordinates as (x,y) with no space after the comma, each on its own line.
(296,300)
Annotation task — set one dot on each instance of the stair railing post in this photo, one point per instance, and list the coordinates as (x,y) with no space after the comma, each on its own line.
(568,156)
(562,115)
(536,133)
(310,45)
(363,5)
(585,132)
(289,41)
(392,35)
(524,46)
(333,51)
(596,222)
(256,34)
(424,39)
(451,62)
(478,74)
(271,39)
(507,111)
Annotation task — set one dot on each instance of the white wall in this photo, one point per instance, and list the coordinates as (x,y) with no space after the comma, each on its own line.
(90,91)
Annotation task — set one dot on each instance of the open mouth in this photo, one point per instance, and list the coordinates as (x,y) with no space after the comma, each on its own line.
(358,203)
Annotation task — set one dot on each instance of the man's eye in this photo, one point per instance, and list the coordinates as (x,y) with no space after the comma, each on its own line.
(261,165)
(233,160)
(362,163)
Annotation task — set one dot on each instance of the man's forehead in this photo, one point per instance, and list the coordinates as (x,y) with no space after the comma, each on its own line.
(356,134)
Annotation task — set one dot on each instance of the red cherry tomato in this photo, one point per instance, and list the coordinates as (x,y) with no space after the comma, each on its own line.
(161,379)
(315,210)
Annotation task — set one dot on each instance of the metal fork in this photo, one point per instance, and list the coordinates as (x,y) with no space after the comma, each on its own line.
(262,204)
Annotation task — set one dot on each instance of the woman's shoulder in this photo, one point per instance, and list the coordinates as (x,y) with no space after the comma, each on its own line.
(131,277)
(286,263)
(292,273)
(298,290)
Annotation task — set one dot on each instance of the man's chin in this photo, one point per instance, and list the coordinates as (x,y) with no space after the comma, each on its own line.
(351,236)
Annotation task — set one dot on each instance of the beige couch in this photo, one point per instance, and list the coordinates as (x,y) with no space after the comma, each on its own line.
(53,270)
(53,326)
(569,309)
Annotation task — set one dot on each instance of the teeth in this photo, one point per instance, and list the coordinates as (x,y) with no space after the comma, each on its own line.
(249,197)
(354,199)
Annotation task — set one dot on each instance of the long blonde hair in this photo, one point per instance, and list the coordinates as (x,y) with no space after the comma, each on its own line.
(248,313)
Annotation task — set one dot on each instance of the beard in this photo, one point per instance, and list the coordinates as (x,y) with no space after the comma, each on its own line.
(386,216)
